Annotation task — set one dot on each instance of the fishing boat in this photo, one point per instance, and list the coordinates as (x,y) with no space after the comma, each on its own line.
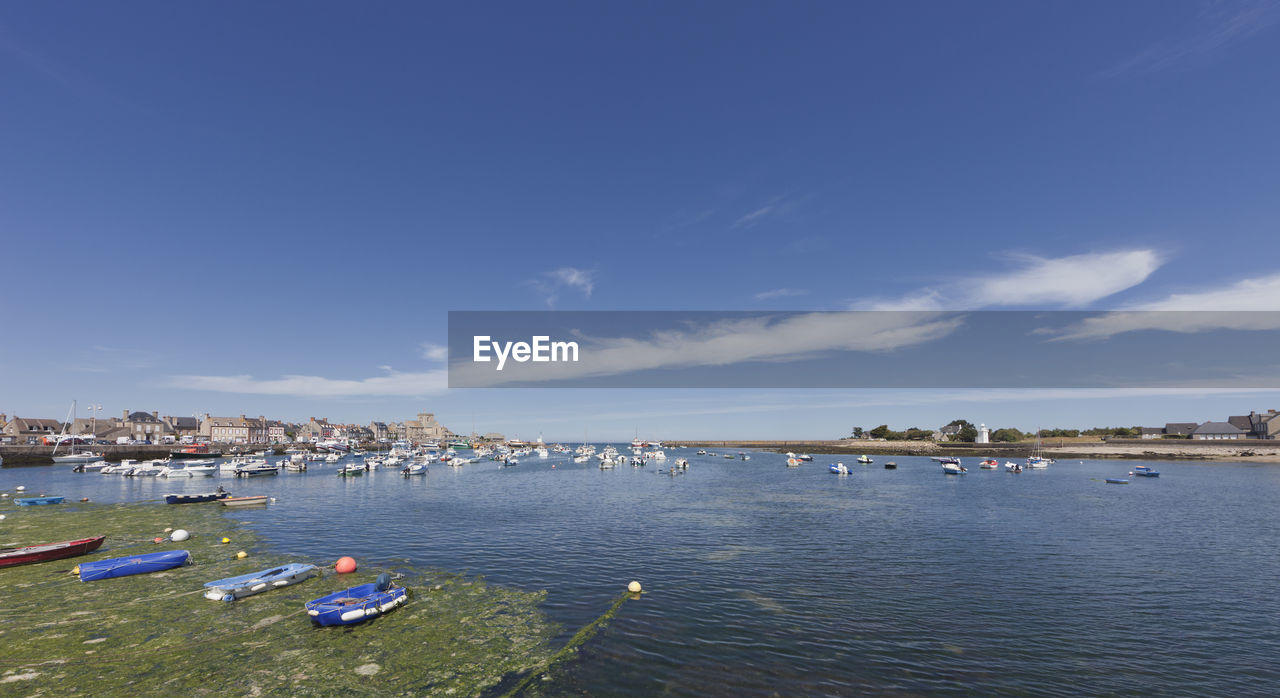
(196,498)
(890,466)
(864,459)
(1116,481)
(1144,471)
(11,557)
(989,464)
(357,604)
(233,588)
(244,501)
(954,469)
(133,564)
(38,501)
(839,468)
(194,452)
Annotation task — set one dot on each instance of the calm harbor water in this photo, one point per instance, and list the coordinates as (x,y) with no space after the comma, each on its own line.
(763,579)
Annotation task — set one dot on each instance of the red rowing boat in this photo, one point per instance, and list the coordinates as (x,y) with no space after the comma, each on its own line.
(49,551)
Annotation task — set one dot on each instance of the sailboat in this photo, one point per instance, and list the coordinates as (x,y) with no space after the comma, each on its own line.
(74,456)
(1035,460)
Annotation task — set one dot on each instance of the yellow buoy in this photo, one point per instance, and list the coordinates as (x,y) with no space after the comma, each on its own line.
(241,555)
(226,540)
(75,570)
(634,587)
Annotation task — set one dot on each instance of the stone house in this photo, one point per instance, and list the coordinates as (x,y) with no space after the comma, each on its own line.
(29,431)
(1217,431)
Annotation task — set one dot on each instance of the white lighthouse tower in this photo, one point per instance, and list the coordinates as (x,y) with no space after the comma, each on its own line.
(984,435)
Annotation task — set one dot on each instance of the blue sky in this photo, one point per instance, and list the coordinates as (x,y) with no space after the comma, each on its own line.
(257,191)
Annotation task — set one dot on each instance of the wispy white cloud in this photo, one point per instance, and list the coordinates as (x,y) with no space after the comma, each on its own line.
(781,293)
(394,383)
(434,352)
(1218,26)
(786,338)
(752,218)
(1072,282)
(1249,304)
(552,283)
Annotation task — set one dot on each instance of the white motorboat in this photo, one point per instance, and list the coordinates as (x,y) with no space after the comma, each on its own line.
(414,469)
(173,472)
(954,469)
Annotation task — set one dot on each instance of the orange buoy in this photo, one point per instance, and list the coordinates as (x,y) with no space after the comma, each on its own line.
(159,540)
(346,565)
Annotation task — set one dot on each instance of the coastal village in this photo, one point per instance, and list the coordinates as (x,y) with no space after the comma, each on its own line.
(138,427)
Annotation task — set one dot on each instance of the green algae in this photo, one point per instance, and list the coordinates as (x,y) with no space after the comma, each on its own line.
(156,633)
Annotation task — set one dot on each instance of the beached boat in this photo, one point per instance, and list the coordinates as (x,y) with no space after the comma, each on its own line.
(244,501)
(357,604)
(233,588)
(25,555)
(38,501)
(196,498)
(133,564)
(839,468)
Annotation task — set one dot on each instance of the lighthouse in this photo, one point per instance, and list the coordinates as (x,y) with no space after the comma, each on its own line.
(984,435)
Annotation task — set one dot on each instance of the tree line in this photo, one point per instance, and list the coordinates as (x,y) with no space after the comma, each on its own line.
(969,433)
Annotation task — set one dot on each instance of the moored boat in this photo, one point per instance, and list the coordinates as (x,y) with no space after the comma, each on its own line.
(954,469)
(864,459)
(133,564)
(10,557)
(989,464)
(257,470)
(1144,471)
(839,468)
(244,501)
(1117,481)
(357,604)
(890,466)
(233,588)
(196,498)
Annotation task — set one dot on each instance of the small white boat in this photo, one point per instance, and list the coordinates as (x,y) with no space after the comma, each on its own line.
(954,469)
(81,457)
(173,472)
(333,458)
(414,469)
(864,459)
(794,462)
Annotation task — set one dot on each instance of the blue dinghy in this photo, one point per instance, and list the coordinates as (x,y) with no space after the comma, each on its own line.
(233,588)
(36,501)
(134,564)
(1144,471)
(357,604)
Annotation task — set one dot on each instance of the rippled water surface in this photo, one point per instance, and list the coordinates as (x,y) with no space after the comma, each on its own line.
(766,579)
